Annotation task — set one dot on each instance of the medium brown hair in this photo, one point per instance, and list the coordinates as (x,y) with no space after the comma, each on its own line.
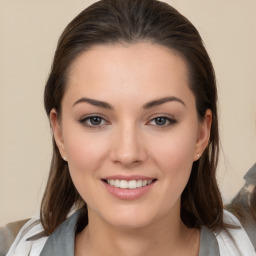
(131,21)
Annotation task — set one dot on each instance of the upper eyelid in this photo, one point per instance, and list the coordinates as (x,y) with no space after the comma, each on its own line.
(168,116)
(92,115)
(84,122)
(171,120)
(85,118)
(149,119)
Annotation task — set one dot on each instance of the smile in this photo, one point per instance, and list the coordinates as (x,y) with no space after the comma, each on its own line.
(131,184)
(129,188)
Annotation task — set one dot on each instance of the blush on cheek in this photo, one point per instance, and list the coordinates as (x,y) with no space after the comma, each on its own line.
(176,156)
(85,153)
(83,157)
(178,145)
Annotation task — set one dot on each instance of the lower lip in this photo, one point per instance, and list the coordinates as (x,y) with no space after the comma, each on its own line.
(128,194)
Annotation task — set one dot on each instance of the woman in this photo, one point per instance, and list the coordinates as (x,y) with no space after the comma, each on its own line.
(131,99)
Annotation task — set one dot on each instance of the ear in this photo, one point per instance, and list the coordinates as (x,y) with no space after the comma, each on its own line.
(203,136)
(57,132)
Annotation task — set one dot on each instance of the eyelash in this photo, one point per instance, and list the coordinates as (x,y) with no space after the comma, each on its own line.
(167,121)
(84,121)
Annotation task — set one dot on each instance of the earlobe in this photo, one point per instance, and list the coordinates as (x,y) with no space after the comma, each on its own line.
(57,132)
(203,136)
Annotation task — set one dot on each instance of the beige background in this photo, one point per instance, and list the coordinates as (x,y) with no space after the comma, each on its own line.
(29,31)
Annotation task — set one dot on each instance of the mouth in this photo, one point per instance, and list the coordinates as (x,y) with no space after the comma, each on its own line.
(129,184)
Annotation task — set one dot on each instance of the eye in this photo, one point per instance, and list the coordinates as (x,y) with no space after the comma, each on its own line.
(162,121)
(93,121)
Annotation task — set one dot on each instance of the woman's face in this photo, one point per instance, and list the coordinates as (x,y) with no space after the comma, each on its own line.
(130,132)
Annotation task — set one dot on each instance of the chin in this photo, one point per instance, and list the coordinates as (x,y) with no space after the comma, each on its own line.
(130,219)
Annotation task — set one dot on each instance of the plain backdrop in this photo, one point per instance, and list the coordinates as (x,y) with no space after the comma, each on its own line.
(29,30)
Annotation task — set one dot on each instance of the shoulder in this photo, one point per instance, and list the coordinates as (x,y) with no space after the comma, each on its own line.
(30,239)
(234,241)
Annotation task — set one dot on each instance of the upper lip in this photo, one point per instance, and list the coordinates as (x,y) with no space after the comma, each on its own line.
(130,177)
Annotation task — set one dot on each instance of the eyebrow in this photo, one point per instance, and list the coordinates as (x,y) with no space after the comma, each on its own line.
(94,102)
(148,105)
(161,101)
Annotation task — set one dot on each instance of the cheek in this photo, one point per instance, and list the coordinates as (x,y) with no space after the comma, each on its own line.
(176,149)
(174,156)
(82,153)
(86,154)
(85,151)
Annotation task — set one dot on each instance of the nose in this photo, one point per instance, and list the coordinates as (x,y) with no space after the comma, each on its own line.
(128,149)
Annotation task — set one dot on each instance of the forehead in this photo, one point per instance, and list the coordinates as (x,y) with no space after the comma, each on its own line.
(126,70)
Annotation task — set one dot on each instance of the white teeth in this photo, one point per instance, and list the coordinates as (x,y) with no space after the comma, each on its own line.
(123,184)
(139,183)
(131,184)
(116,183)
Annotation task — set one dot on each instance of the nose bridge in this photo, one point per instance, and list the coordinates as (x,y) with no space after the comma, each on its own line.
(128,147)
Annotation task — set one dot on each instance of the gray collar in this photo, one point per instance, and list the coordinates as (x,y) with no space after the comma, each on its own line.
(208,243)
(61,241)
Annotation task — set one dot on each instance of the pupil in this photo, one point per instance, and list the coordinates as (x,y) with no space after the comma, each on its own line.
(160,120)
(95,120)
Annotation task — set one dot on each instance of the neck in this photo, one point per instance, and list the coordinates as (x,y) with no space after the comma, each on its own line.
(163,237)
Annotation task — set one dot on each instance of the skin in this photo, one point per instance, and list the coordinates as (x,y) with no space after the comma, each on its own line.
(129,140)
